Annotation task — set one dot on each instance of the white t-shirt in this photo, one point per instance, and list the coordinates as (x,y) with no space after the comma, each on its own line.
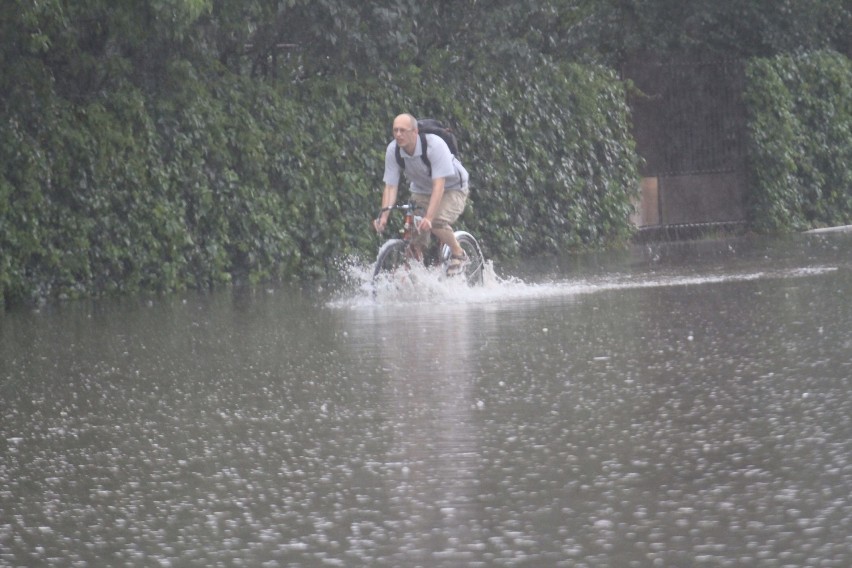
(444,165)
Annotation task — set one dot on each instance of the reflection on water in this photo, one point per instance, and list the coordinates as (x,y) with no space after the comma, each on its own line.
(678,405)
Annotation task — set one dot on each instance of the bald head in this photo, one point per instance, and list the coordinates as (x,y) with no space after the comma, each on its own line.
(405,132)
(406,121)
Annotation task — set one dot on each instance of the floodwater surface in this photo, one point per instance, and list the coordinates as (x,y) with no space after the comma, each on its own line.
(674,405)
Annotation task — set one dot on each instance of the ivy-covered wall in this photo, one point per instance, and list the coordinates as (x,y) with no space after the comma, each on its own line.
(164,144)
(215,179)
(800,141)
(552,161)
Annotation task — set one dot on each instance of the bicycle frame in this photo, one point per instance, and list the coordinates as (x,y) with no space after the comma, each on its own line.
(398,252)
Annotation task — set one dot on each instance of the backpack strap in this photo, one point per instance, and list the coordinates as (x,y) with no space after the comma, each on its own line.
(423,147)
(423,156)
(400,162)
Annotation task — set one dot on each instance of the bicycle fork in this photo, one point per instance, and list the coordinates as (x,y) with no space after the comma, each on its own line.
(409,232)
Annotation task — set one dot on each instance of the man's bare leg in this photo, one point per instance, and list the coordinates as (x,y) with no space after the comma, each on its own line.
(446,235)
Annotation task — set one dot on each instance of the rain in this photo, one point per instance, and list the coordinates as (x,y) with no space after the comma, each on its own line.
(675,404)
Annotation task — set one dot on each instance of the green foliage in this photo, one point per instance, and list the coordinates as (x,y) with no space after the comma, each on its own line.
(220,178)
(164,144)
(552,163)
(800,141)
(615,29)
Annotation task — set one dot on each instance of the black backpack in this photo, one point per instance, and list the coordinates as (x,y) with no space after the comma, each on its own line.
(431,126)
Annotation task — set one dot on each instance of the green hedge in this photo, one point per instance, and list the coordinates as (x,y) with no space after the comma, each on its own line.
(217,178)
(552,158)
(548,146)
(800,141)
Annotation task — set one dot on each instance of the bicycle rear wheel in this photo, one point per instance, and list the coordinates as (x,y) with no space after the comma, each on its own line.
(474,269)
(392,256)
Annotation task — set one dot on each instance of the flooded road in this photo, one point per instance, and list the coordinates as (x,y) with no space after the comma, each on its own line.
(675,405)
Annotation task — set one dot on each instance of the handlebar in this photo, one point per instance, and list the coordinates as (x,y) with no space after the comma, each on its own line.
(409,208)
(403,206)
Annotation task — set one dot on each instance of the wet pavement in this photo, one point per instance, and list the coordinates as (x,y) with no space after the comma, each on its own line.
(674,405)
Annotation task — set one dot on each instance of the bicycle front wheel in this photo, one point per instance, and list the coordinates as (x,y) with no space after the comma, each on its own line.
(392,257)
(474,268)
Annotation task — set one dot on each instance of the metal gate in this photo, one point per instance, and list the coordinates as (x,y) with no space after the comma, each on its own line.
(689,126)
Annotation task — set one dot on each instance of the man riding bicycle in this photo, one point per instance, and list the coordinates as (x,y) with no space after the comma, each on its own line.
(442,195)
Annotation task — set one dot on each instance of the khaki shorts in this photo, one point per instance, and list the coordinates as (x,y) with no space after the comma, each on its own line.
(451,207)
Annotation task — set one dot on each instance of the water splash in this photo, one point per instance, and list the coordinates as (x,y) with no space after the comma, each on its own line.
(425,286)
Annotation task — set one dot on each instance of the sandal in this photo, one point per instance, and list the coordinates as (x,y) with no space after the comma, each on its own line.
(456,264)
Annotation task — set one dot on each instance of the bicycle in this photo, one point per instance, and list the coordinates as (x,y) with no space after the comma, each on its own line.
(397,253)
